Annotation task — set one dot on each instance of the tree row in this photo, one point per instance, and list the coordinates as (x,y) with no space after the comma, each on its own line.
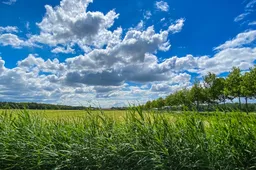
(214,93)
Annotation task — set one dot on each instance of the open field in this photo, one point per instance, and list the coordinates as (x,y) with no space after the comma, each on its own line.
(116,114)
(126,140)
(67,114)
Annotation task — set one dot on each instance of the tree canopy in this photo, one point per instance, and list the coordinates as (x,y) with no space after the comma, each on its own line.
(214,92)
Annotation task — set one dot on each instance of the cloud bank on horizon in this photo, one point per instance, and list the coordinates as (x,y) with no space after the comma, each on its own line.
(77,55)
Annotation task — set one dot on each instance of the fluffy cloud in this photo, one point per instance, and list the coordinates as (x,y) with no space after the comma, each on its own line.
(176,82)
(224,60)
(161,88)
(112,60)
(35,77)
(118,73)
(2,68)
(14,41)
(29,81)
(120,63)
(163,6)
(71,23)
(104,78)
(179,64)
(132,48)
(10,39)
(221,62)
(7,38)
(63,50)
(36,63)
(9,29)
(239,41)
(18,83)
(237,52)
(177,27)
(82,79)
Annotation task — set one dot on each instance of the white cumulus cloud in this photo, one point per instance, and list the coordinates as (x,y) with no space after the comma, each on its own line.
(112,58)
(9,29)
(63,50)
(70,22)
(177,26)
(9,39)
(162,5)
(239,41)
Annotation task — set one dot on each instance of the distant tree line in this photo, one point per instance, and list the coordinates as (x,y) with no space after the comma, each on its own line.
(39,106)
(213,93)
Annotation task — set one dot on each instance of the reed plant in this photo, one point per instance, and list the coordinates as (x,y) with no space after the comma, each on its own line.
(141,140)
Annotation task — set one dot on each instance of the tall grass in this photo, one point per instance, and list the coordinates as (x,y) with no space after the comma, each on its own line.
(140,141)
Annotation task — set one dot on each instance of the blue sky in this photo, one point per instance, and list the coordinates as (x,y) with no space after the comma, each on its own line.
(85,52)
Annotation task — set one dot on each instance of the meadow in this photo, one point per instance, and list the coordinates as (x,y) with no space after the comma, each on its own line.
(132,139)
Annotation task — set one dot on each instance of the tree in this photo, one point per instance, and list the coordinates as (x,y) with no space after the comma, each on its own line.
(154,104)
(148,105)
(253,76)
(197,94)
(214,90)
(171,100)
(233,84)
(247,88)
(219,90)
(184,99)
(160,102)
(210,88)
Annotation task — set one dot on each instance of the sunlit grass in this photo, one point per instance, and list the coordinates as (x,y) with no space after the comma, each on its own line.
(126,140)
(68,114)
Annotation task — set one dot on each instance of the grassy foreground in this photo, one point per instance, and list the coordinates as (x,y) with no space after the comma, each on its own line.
(140,141)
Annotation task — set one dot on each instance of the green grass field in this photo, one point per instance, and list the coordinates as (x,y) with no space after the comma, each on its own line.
(126,140)
(67,114)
